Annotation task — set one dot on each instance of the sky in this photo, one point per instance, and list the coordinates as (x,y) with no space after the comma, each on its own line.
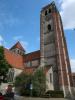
(20,21)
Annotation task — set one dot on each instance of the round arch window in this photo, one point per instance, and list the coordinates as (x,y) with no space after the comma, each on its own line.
(49,10)
(49,27)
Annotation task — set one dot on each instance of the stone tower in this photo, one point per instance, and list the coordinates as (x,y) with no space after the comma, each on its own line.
(53,47)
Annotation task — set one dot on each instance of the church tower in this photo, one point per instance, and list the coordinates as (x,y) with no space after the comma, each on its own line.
(53,48)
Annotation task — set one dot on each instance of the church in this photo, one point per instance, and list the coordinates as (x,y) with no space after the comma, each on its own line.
(53,53)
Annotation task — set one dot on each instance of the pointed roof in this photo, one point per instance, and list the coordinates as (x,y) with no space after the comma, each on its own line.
(17,45)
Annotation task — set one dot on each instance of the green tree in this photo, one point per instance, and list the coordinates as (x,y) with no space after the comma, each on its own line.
(22,79)
(39,82)
(4,66)
(22,83)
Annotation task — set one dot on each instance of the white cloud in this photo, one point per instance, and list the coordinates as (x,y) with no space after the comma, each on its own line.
(68,13)
(1,40)
(72,62)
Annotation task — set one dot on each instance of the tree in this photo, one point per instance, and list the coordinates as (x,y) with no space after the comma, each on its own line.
(22,83)
(39,82)
(22,79)
(4,66)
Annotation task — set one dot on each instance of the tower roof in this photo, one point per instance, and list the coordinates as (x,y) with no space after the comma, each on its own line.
(17,45)
(52,5)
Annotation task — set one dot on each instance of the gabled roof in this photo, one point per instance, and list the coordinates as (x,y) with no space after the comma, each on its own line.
(32,56)
(17,45)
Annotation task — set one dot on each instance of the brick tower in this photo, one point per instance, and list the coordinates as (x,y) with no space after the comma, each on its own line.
(53,47)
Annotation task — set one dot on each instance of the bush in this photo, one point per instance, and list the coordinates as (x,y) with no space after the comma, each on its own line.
(35,93)
(54,94)
(25,92)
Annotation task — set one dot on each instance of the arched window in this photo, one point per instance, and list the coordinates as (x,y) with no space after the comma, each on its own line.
(49,27)
(45,12)
(10,75)
(49,10)
(50,77)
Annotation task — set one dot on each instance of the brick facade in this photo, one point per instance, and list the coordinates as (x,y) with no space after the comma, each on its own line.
(73,75)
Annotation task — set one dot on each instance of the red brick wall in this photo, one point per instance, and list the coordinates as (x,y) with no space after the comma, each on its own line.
(73,76)
(13,59)
(66,74)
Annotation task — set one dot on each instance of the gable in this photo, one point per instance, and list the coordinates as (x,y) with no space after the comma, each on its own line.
(13,59)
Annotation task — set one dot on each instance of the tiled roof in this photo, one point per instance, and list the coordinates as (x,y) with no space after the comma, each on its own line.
(32,56)
(17,61)
(17,45)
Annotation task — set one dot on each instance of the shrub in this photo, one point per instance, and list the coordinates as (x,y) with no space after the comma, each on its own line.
(24,92)
(56,94)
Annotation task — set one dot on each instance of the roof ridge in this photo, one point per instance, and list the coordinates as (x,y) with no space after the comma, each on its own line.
(17,44)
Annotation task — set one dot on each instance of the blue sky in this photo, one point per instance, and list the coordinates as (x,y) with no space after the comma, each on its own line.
(20,21)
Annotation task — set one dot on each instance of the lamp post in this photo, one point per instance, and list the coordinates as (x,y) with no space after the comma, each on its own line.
(31,87)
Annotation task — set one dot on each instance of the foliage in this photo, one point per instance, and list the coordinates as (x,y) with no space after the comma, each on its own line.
(4,66)
(24,80)
(22,83)
(39,82)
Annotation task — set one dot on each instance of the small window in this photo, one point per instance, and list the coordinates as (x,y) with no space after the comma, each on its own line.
(49,27)
(49,10)
(46,12)
(50,77)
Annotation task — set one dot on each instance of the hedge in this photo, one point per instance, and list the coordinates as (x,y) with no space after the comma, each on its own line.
(54,94)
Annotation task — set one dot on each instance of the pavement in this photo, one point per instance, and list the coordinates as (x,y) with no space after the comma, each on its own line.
(30,98)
